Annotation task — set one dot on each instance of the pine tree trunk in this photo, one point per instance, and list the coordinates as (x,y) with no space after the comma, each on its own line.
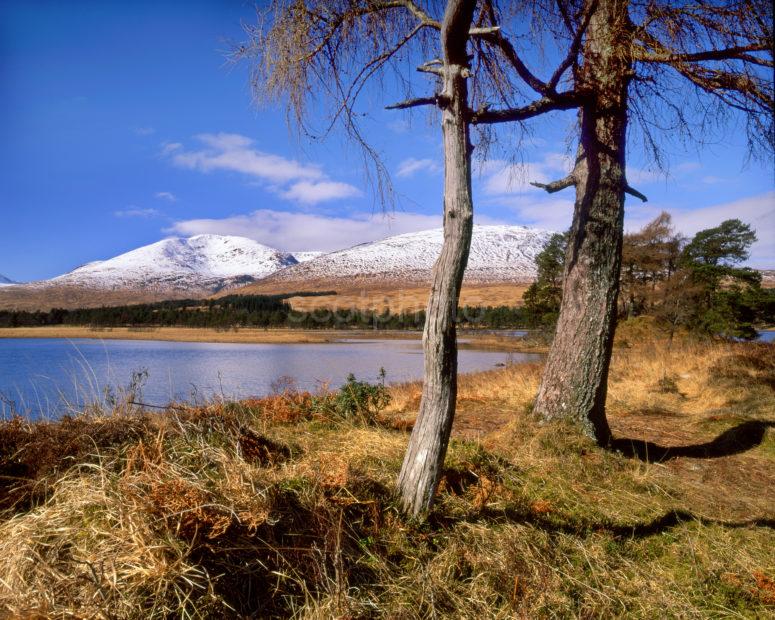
(424,458)
(574,383)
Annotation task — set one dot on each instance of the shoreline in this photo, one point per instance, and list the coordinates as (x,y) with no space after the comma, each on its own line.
(246,335)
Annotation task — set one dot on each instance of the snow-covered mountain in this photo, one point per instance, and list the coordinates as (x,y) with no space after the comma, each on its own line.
(303,257)
(498,254)
(196,265)
(6,281)
(207,264)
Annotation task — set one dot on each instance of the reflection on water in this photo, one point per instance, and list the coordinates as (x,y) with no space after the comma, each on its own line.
(51,376)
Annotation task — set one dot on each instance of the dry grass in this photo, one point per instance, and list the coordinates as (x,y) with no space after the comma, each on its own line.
(186,334)
(468,340)
(399,299)
(268,508)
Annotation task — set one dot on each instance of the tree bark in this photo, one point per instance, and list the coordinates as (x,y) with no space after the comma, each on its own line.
(427,448)
(574,383)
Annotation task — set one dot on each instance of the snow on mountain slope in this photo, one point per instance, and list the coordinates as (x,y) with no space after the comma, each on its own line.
(200,263)
(303,257)
(5,281)
(498,254)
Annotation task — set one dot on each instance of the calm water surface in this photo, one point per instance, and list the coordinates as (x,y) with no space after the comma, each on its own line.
(768,336)
(49,377)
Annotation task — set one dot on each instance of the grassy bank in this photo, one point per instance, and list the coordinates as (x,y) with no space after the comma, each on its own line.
(246,335)
(177,334)
(283,506)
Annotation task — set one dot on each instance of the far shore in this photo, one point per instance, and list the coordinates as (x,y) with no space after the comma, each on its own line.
(246,335)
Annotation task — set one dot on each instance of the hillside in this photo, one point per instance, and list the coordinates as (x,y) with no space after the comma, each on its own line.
(172,268)
(203,262)
(204,265)
(499,255)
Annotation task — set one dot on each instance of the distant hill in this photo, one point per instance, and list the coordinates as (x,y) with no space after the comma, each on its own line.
(172,268)
(499,254)
(500,265)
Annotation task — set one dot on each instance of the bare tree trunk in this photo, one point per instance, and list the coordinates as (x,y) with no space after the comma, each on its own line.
(424,458)
(575,380)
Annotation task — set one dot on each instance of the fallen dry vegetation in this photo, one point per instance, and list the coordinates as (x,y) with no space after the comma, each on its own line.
(283,506)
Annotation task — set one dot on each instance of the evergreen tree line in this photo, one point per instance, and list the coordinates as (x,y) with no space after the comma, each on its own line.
(695,284)
(255,311)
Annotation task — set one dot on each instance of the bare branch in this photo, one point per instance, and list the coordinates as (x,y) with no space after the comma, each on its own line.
(410,6)
(500,42)
(414,103)
(556,186)
(368,70)
(634,192)
(426,19)
(431,67)
(575,47)
(480,32)
(730,53)
(562,101)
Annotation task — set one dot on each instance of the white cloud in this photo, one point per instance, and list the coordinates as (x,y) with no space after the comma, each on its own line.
(170,147)
(232,152)
(311,193)
(548,213)
(411,166)
(758,211)
(513,179)
(293,231)
(643,176)
(136,212)
(166,196)
(235,153)
(502,178)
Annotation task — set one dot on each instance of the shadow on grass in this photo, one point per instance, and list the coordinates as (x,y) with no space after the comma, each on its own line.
(675,517)
(581,527)
(735,440)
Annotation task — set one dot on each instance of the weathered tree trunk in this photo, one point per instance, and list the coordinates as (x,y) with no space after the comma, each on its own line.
(424,458)
(575,380)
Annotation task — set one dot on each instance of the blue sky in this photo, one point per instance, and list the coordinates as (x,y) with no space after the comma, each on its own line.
(123,123)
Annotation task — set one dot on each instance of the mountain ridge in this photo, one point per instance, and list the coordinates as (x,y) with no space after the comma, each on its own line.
(205,265)
(200,263)
(499,254)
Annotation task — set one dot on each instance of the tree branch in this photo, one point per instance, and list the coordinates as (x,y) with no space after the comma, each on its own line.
(432,66)
(414,103)
(562,101)
(410,6)
(730,53)
(574,48)
(482,31)
(556,186)
(500,42)
(427,20)
(634,192)
(369,69)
